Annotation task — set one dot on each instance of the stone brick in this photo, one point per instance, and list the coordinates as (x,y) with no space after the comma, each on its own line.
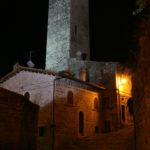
(18,122)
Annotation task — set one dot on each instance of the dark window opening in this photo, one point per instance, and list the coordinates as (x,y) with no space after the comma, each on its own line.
(122,99)
(130,105)
(81,123)
(105,102)
(74,33)
(70,97)
(75,30)
(41,131)
(96,104)
(123,113)
(107,127)
(27,95)
(96,129)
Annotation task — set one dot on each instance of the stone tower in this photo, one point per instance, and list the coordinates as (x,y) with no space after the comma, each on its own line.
(67,33)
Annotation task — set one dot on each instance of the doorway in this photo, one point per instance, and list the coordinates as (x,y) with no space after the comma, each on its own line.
(123,113)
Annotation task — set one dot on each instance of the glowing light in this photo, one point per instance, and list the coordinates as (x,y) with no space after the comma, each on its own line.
(123,81)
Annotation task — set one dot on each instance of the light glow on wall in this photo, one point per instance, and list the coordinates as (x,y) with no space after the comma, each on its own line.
(123,84)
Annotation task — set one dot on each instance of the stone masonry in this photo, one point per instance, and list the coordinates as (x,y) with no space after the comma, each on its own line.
(141,89)
(68,32)
(18,122)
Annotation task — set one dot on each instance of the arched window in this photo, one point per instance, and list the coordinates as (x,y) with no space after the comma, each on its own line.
(70,97)
(96,104)
(81,123)
(27,95)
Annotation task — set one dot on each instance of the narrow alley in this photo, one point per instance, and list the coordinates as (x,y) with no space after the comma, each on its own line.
(122,139)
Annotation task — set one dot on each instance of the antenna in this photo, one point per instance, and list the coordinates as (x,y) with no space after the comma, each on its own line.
(30,63)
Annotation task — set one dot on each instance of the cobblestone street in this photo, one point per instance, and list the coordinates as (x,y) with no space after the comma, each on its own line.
(122,139)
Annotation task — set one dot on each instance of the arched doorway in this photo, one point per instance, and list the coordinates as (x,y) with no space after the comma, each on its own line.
(81,123)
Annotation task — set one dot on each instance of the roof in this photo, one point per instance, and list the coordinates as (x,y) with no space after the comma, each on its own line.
(87,83)
(17,68)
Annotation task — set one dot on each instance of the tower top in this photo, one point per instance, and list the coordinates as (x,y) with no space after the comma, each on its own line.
(68,32)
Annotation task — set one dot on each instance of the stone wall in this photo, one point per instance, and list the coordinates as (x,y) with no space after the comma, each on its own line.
(18,122)
(124,86)
(58,35)
(68,32)
(98,72)
(102,74)
(79,40)
(141,89)
(67,113)
(39,86)
(44,90)
(64,127)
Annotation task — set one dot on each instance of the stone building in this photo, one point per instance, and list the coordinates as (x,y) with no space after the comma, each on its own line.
(40,84)
(67,33)
(68,48)
(117,80)
(77,97)
(18,122)
(69,108)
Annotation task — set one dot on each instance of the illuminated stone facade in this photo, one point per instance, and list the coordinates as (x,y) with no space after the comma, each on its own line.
(68,32)
(124,94)
(72,105)
(78,115)
(114,105)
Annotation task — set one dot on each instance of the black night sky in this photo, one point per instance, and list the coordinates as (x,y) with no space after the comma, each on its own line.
(24,27)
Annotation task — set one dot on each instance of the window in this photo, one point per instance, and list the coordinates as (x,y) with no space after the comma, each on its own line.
(96,104)
(70,97)
(105,102)
(107,127)
(96,129)
(41,131)
(75,30)
(27,95)
(74,33)
(81,123)
(123,113)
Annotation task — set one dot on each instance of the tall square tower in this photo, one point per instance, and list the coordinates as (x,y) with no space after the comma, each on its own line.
(67,32)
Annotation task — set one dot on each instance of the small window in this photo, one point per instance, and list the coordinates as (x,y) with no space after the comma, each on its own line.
(74,33)
(75,30)
(122,99)
(105,102)
(81,123)
(27,95)
(96,104)
(96,129)
(41,131)
(70,97)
